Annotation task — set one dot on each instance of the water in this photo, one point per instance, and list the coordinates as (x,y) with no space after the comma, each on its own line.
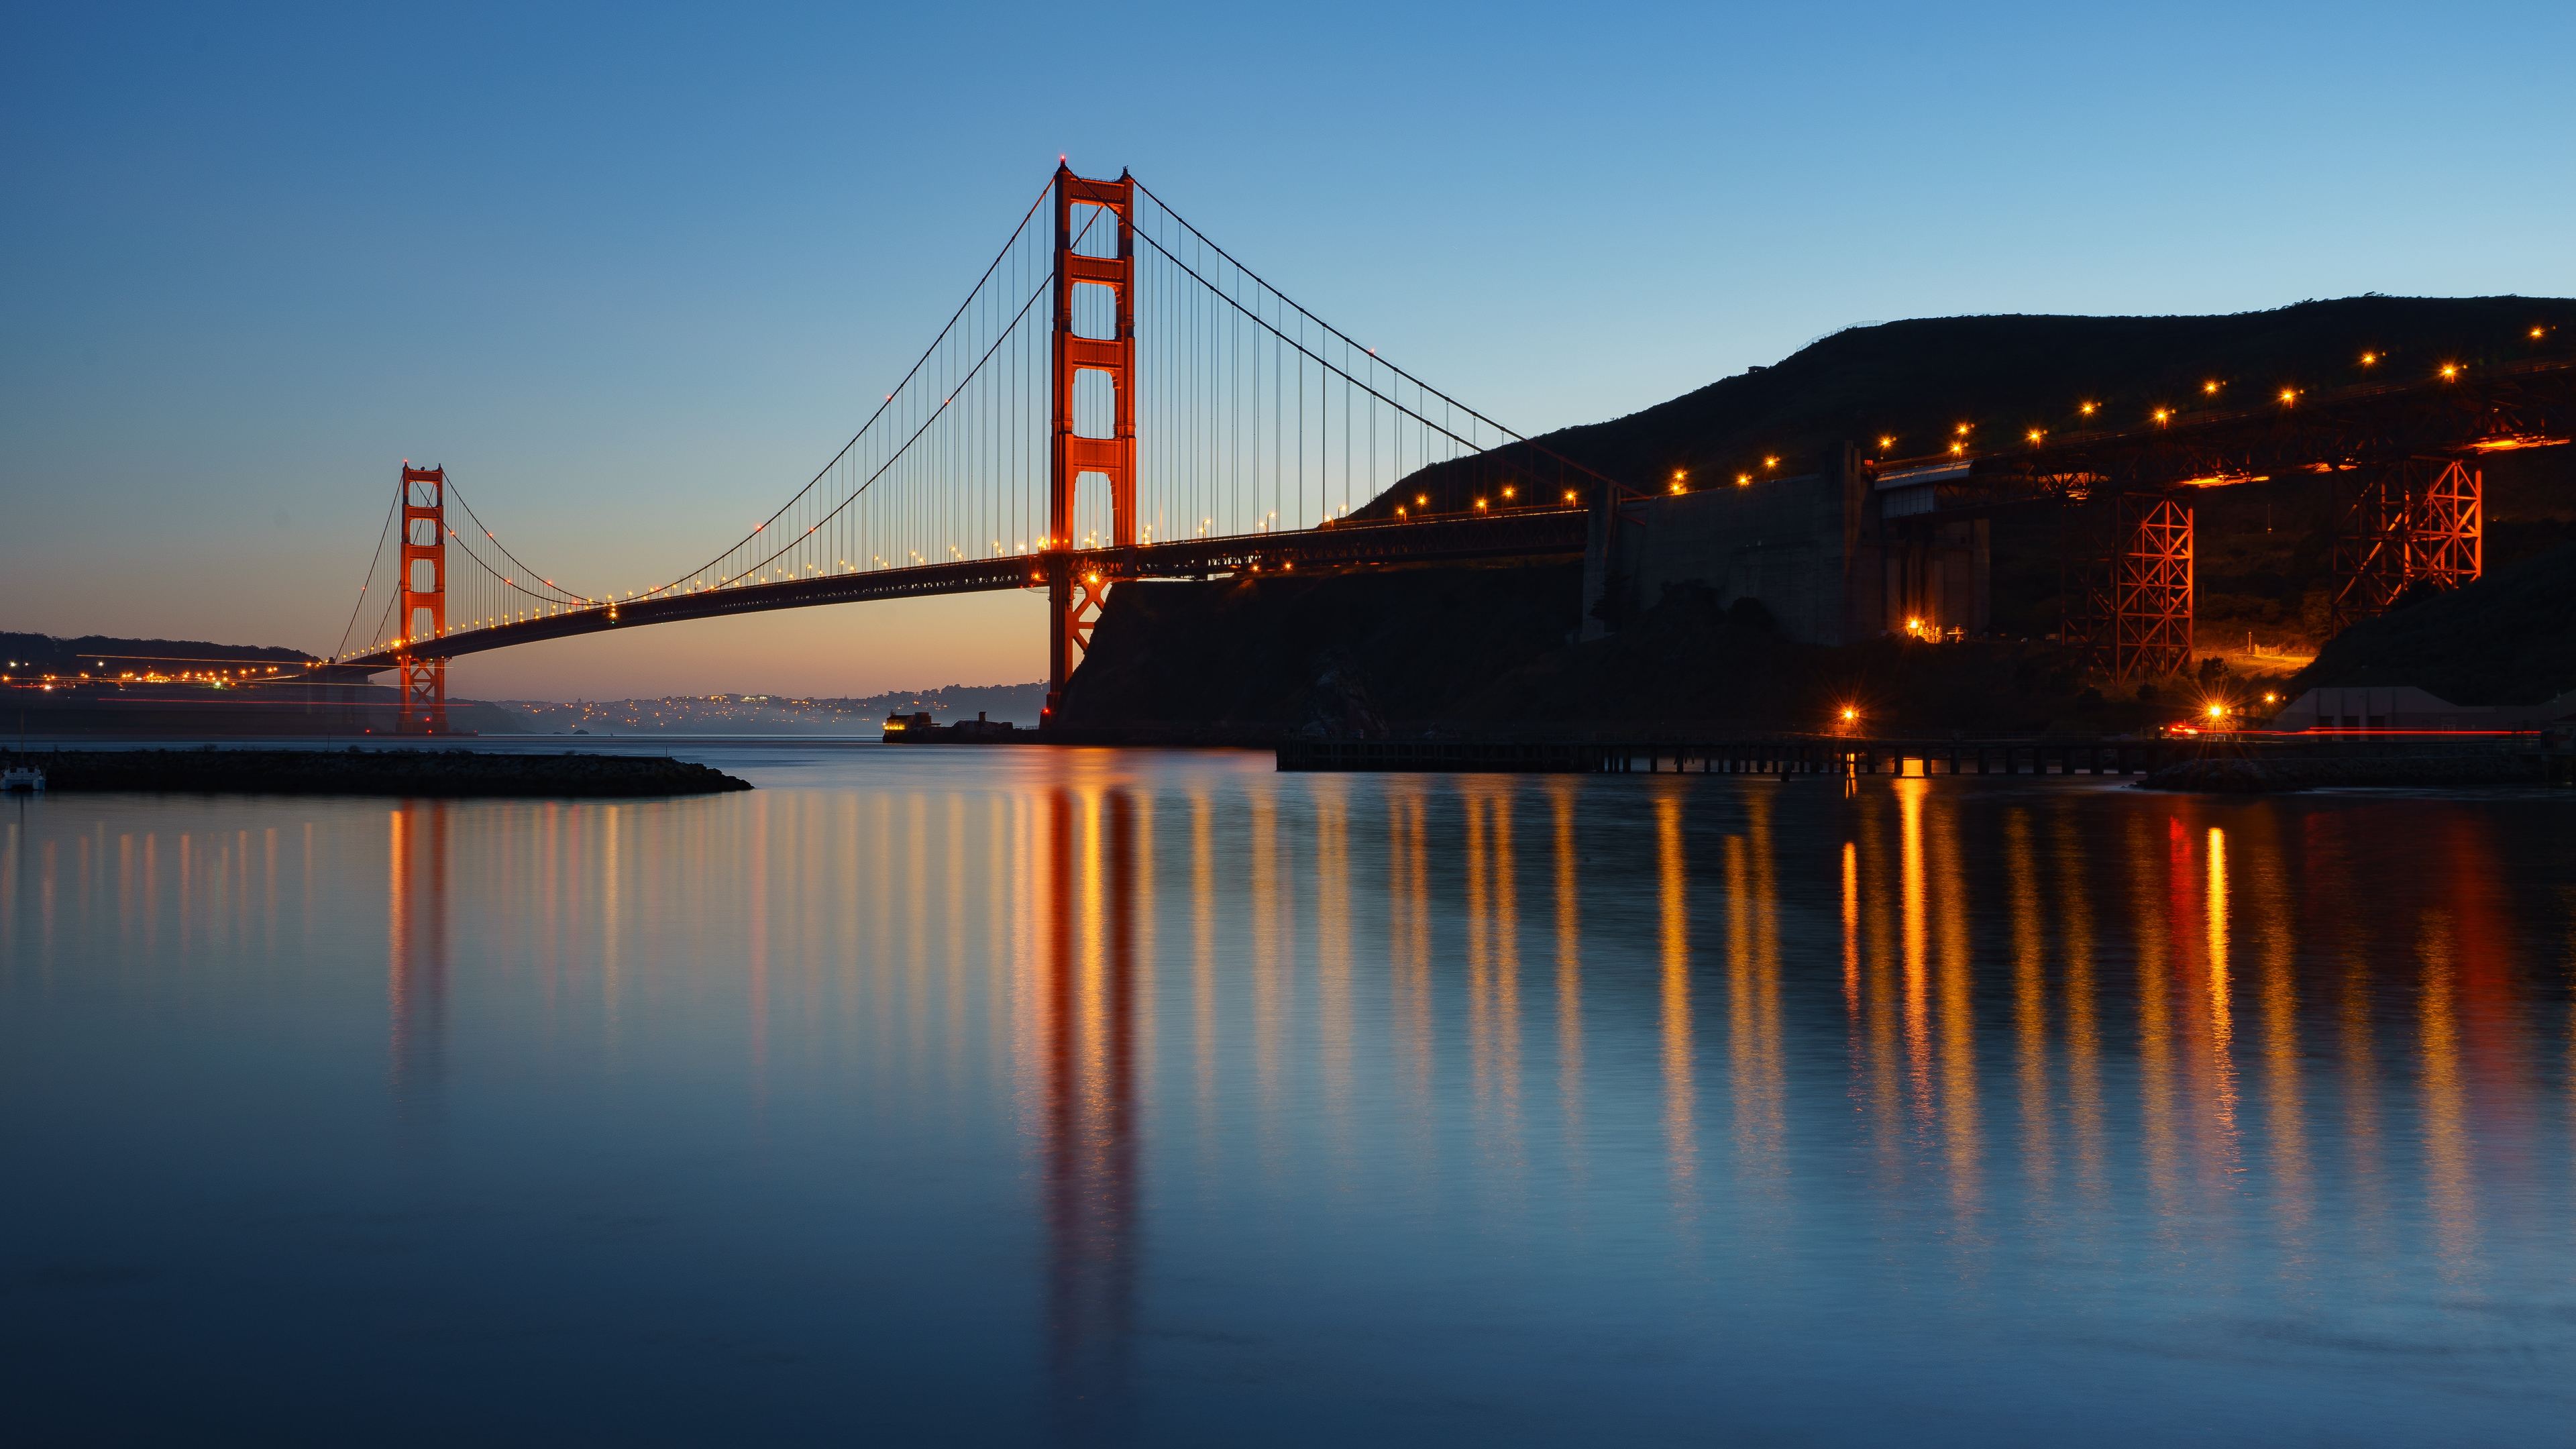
(1020,1096)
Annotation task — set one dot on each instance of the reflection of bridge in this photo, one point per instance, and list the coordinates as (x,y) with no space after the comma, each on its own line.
(1121,399)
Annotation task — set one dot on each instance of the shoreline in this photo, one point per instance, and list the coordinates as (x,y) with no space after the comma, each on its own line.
(2241,775)
(401,771)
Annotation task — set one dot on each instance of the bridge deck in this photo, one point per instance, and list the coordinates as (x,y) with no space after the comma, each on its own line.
(1516,533)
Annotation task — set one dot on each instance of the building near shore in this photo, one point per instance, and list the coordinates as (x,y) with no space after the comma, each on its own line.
(2414,711)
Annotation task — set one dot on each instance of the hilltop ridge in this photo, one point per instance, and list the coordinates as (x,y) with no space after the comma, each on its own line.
(1915,381)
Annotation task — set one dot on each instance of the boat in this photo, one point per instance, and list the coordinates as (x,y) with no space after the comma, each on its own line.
(21,779)
(920,729)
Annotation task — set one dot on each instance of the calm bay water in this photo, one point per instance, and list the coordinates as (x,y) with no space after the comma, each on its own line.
(1011,1095)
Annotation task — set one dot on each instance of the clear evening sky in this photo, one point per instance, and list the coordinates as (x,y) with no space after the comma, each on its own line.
(632,272)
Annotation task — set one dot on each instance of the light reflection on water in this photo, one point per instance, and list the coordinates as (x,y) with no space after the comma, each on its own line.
(1082,1095)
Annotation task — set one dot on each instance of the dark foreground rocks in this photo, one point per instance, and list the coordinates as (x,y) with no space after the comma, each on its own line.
(373,772)
(2238,775)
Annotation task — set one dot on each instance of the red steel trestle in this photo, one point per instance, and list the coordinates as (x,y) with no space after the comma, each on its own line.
(2146,631)
(2419,521)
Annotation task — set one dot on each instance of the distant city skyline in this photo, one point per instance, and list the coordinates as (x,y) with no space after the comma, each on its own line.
(631,274)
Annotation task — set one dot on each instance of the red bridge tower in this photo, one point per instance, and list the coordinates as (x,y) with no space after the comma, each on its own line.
(1074,596)
(424,600)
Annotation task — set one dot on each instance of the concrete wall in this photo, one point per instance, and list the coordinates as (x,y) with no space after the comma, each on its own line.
(1779,542)
(1823,552)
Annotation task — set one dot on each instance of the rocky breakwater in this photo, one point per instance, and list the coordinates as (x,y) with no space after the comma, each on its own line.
(420,772)
(2257,775)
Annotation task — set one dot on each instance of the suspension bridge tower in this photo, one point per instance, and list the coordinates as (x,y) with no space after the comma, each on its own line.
(424,601)
(1075,593)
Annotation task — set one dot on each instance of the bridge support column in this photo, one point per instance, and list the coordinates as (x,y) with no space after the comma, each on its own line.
(424,601)
(2141,618)
(1074,592)
(2418,521)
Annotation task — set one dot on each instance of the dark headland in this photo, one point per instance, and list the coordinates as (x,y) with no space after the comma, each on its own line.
(415,772)
(1492,651)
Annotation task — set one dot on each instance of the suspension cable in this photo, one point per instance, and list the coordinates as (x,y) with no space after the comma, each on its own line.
(1347,340)
(1320,361)
(917,365)
(363,584)
(569,597)
(935,415)
(1311,317)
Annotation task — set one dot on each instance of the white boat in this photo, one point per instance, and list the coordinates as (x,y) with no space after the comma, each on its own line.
(21,777)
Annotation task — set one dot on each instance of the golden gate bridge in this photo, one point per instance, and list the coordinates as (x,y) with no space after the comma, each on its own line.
(1120,398)
(1117,398)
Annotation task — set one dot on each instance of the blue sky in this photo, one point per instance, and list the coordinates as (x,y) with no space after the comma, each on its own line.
(632,272)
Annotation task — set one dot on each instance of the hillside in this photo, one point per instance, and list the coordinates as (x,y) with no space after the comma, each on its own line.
(2510,638)
(2263,548)
(107,655)
(1915,381)
(1489,648)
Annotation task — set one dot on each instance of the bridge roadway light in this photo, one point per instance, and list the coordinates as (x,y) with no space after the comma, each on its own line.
(1771,460)
(2085,408)
(2210,387)
(2369,359)
(2450,370)
(2164,415)
(2289,395)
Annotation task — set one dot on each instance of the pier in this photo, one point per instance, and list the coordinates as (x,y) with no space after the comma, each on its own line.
(1781,755)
